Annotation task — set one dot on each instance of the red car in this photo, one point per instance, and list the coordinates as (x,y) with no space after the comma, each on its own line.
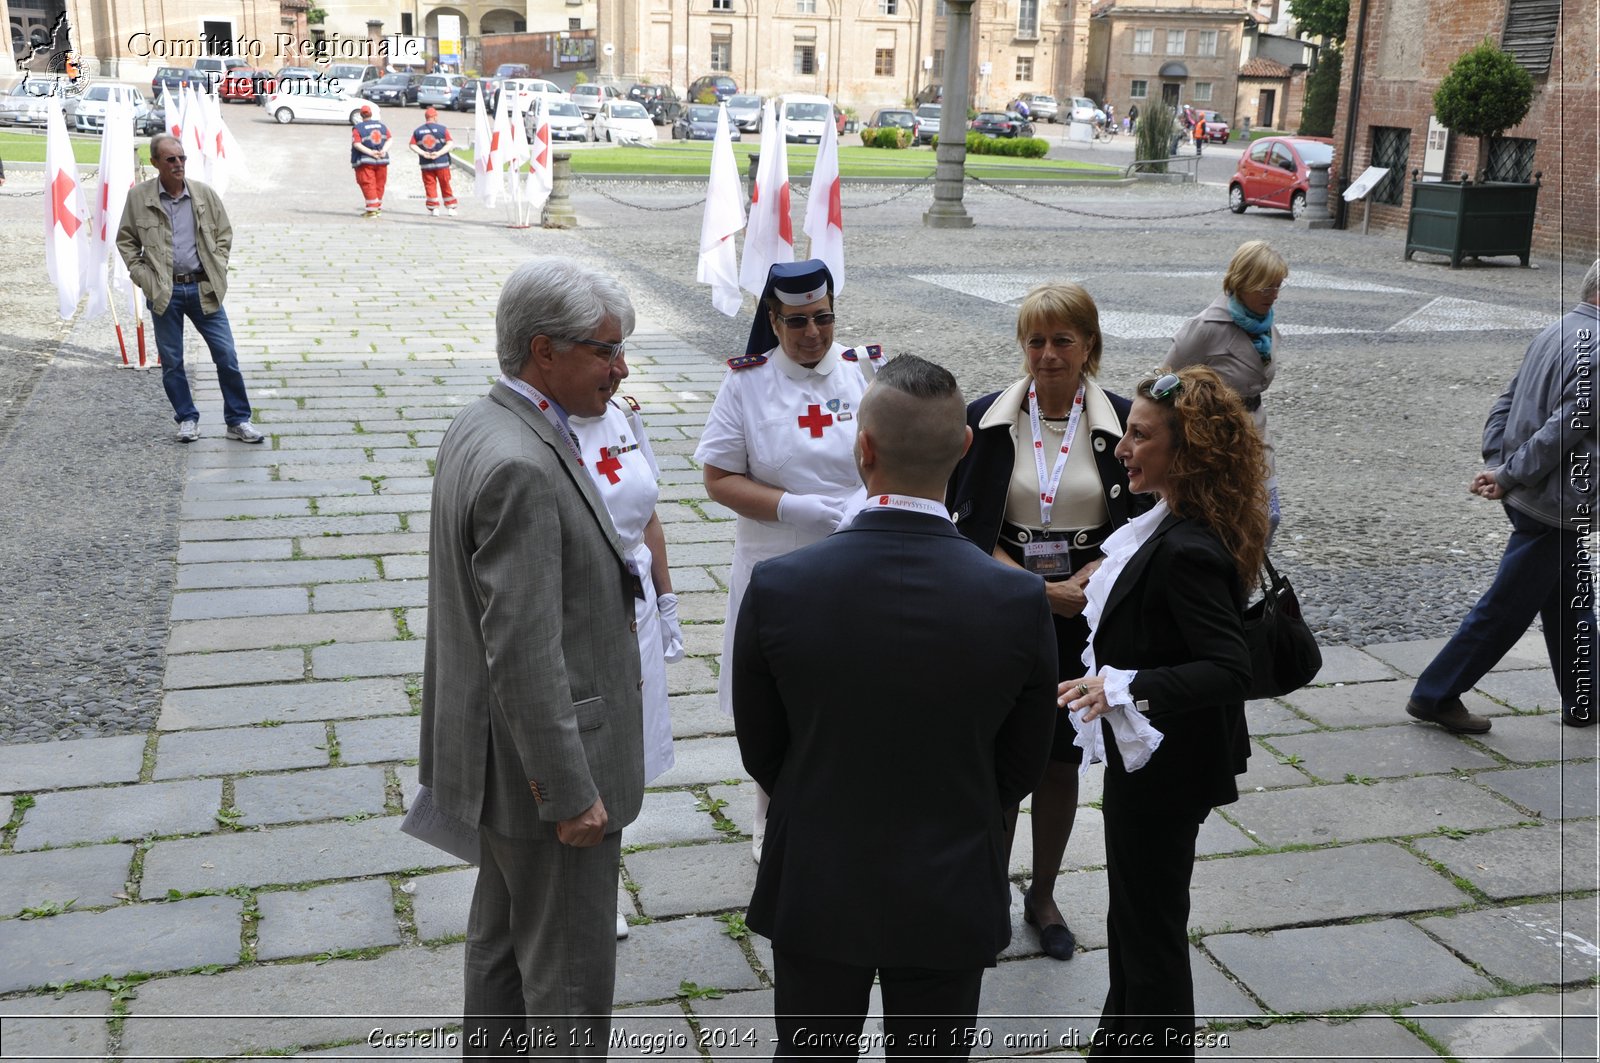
(245,85)
(1275,173)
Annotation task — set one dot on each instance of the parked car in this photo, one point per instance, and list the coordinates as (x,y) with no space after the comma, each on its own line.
(295,73)
(928,122)
(699,122)
(744,111)
(347,79)
(28,101)
(247,85)
(566,121)
(524,91)
(1084,110)
(1041,106)
(720,86)
(931,94)
(396,89)
(805,118)
(624,120)
(1216,126)
(1276,173)
(472,88)
(512,70)
(895,118)
(440,90)
(590,97)
(660,101)
(86,113)
(174,78)
(323,105)
(1002,124)
(217,67)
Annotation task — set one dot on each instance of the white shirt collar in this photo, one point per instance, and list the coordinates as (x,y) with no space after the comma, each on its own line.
(795,371)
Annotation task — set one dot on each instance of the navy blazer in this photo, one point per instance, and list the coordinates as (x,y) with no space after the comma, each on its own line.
(1175,615)
(894,691)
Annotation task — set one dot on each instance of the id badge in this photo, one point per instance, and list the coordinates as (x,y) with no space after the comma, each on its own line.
(1048,558)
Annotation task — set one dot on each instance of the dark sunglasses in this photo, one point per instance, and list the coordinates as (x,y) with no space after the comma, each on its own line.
(797,321)
(174,158)
(1165,386)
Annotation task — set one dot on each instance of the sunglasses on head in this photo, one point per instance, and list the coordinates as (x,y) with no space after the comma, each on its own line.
(1165,386)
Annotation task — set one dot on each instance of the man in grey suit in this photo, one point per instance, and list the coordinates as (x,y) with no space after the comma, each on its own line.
(531,724)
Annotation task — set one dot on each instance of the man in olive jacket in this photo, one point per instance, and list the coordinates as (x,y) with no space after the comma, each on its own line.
(175,238)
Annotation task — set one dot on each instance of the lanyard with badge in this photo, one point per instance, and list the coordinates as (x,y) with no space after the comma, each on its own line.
(546,407)
(1049,557)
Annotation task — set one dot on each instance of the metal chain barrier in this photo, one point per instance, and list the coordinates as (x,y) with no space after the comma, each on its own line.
(800,191)
(804,192)
(1092,214)
(91,178)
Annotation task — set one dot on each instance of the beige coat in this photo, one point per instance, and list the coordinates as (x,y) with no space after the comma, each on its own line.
(144,240)
(1210,338)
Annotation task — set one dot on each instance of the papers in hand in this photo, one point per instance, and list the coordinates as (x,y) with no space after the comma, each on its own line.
(428,822)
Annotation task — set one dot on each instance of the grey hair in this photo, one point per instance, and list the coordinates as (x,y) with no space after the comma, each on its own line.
(157,139)
(1591,283)
(556,297)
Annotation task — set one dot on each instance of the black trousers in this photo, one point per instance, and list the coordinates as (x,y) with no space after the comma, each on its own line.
(1149,1008)
(820,1007)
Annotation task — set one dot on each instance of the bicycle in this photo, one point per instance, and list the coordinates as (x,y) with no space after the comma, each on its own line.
(1104,131)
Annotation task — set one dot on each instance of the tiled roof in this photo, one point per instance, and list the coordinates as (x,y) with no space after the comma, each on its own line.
(1262,67)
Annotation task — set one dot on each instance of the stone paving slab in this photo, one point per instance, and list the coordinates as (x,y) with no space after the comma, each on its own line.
(1371,1038)
(324,793)
(273,573)
(1532,739)
(90,875)
(703,760)
(1318,815)
(78,946)
(367,659)
(1521,862)
(692,675)
(1266,770)
(215,605)
(1285,889)
(345,915)
(667,818)
(440,903)
(739,1026)
(235,550)
(1535,1026)
(67,817)
(237,508)
(1346,664)
(389,594)
(1556,791)
(240,749)
(289,703)
(1381,752)
(352,504)
(1266,718)
(388,543)
(694,878)
(295,1005)
(694,715)
(385,739)
(296,527)
(1409,658)
(1372,704)
(1082,897)
(287,855)
(200,490)
(1535,944)
(1326,968)
(656,957)
(405,566)
(70,1026)
(315,465)
(236,666)
(80,762)
(246,633)
(1527,690)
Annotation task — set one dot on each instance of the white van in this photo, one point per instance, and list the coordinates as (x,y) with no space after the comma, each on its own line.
(805,118)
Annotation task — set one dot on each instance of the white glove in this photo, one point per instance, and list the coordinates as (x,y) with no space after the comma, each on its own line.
(814,513)
(671,632)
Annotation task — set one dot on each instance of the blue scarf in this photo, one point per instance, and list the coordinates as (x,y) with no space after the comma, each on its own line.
(1258,328)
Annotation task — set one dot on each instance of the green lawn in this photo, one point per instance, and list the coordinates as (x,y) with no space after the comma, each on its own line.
(29,147)
(694,160)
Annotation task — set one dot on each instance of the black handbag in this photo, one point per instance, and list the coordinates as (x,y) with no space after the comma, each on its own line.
(1283,652)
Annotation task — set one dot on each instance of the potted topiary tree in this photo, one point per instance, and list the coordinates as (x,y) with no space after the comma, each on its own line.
(1485,93)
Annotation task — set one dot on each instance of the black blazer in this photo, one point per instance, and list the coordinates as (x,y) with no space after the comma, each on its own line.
(977,492)
(894,691)
(1175,615)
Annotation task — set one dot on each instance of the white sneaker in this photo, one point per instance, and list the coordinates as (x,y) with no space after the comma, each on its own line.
(622,926)
(188,431)
(245,432)
(452,211)
(433,212)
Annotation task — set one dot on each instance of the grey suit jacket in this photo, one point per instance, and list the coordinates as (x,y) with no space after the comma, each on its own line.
(530,700)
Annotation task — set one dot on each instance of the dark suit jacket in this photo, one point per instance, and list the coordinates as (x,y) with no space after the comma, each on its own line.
(1174,615)
(530,698)
(894,691)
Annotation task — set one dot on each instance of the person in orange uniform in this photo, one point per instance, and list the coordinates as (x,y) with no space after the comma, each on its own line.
(369,155)
(431,142)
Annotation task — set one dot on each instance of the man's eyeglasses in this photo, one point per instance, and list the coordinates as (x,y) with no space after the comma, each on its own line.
(613,351)
(174,158)
(799,321)
(1165,386)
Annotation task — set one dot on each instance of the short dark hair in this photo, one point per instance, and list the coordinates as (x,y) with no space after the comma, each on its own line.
(918,377)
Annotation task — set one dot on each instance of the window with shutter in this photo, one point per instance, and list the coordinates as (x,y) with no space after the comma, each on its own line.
(1530,33)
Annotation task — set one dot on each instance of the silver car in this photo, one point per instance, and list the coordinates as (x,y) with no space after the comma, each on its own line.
(87,113)
(928,122)
(744,111)
(27,103)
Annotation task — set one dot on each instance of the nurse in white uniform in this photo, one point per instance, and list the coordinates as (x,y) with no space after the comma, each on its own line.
(617,454)
(779,444)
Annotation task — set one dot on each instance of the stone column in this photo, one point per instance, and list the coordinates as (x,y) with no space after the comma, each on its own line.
(949,175)
(558,212)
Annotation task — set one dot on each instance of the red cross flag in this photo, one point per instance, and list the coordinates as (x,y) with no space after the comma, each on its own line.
(824,220)
(66,230)
(486,176)
(724,217)
(116,178)
(769,236)
(541,167)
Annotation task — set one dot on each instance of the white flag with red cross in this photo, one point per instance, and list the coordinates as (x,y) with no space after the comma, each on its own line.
(769,235)
(66,220)
(724,217)
(824,219)
(486,176)
(116,178)
(541,166)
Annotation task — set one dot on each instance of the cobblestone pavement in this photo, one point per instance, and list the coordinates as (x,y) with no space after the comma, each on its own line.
(224,876)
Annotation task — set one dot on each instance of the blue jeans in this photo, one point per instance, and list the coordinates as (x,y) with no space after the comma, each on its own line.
(1542,573)
(213,328)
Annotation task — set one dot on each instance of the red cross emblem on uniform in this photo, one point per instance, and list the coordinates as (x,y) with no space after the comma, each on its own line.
(815,420)
(609,463)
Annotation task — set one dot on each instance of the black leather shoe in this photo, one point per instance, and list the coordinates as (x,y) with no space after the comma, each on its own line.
(1572,719)
(1056,939)
(1449,714)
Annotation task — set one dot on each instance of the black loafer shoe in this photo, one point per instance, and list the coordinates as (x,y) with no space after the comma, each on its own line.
(1449,714)
(1056,939)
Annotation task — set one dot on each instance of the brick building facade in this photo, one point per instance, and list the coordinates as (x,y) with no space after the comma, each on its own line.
(1394,63)
(1180,51)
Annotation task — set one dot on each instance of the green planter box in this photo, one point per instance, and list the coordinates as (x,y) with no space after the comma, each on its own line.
(1462,219)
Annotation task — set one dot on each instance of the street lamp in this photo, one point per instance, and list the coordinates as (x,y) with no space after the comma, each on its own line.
(949,173)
